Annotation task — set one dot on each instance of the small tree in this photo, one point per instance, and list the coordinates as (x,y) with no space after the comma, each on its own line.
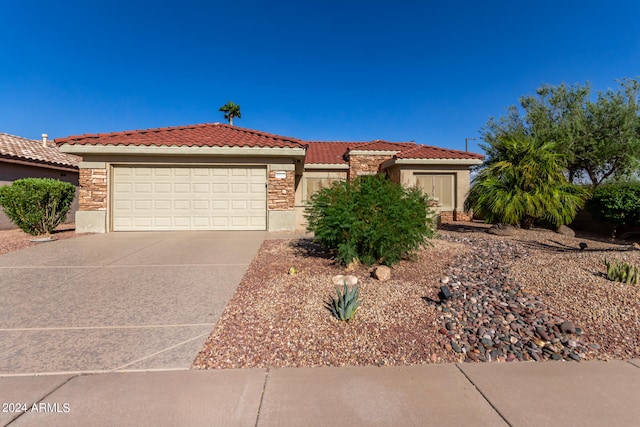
(370,219)
(524,181)
(37,205)
(230,111)
(600,138)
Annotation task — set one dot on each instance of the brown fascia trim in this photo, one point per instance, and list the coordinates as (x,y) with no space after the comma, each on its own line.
(39,164)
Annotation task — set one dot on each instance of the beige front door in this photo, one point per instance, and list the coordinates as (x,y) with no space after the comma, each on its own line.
(189,198)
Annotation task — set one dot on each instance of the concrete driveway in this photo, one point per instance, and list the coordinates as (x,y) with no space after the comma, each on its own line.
(117,301)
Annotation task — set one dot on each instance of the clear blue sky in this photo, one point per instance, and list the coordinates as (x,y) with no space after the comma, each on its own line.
(433,72)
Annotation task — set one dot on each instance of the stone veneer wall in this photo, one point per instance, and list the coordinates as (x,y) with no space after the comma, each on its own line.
(281,192)
(93,189)
(365,163)
(451,216)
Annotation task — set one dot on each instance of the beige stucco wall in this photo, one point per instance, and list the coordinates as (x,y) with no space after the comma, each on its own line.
(301,191)
(10,172)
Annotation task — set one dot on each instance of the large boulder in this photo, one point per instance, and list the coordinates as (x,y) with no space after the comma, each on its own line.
(502,230)
(341,280)
(382,273)
(566,231)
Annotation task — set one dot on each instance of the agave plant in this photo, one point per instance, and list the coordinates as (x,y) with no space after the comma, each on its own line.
(622,272)
(346,304)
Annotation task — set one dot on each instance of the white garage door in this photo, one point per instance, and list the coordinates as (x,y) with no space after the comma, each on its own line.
(189,198)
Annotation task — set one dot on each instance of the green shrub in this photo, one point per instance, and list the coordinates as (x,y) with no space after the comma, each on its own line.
(616,204)
(37,205)
(370,219)
(347,303)
(622,272)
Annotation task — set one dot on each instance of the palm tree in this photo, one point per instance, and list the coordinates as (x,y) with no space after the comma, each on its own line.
(523,181)
(230,111)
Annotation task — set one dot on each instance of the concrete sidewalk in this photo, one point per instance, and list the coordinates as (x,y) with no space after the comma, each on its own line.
(516,394)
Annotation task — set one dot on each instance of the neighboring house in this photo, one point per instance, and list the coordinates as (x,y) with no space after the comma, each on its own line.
(222,177)
(27,158)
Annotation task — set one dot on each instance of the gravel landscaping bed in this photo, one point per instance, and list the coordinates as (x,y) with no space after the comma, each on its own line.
(15,239)
(531,296)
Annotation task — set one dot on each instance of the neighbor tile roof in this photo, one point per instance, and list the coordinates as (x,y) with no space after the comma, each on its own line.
(329,153)
(320,152)
(431,152)
(201,135)
(33,151)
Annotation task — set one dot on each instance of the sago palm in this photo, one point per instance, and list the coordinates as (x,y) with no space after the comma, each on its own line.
(522,182)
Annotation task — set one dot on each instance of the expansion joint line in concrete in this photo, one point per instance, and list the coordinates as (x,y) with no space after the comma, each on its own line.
(77,328)
(484,396)
(42,398)
(122,367)
(264,388)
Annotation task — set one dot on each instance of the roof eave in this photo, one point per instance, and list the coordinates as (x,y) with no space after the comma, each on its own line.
(182,150)
(39,164)
(457,162)
(339,166)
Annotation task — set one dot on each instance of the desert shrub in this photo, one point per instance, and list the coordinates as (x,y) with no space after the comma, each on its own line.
(370,219)
(37,205)
(616,204)
(345,304)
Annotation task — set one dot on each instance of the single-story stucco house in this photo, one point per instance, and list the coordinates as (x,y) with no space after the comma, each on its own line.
(221,177)
(28,158)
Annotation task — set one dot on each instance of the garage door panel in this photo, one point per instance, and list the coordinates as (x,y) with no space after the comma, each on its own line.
(182,205)
(220,188)
(142,204)
(162,205)
(143,221)
(162,221)
(220,205)
(143,188)
(239,188)
(239,221)
(239,204)
(123,205)
(162,187)
(189,198)
(181,188)
(200,205)
(123,187)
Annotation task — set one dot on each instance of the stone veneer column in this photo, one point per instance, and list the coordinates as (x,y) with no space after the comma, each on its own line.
(281,193)
(91,216)
(93,189)
(369,164)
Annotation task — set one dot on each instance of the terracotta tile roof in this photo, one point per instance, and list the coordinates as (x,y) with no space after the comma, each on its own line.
(320,152)
(33,151)
(431,152)
(200,135)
